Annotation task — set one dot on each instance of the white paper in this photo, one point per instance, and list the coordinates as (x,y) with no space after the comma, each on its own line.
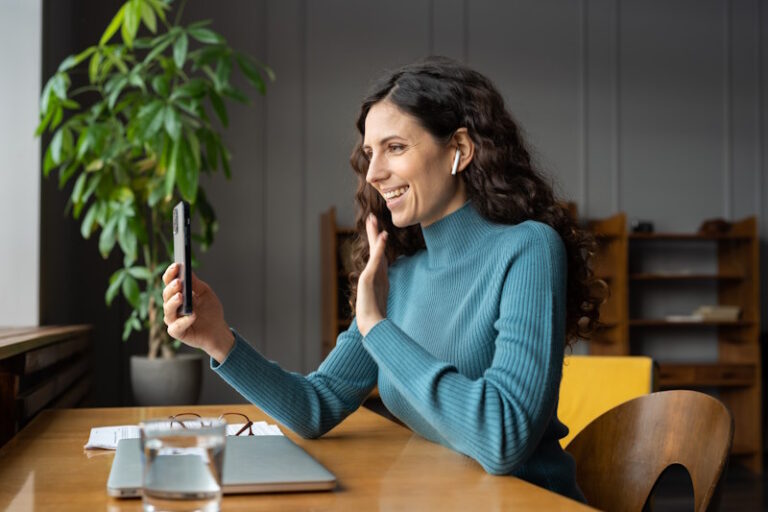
(107,438)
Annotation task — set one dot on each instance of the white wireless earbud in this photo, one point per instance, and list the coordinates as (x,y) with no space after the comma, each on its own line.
(455,163)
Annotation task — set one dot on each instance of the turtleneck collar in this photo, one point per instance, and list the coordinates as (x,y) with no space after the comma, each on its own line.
(455,235)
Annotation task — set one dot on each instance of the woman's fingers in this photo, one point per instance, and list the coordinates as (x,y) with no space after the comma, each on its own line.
(173,287)
(377,253)
(170,272)
(372,229)
(170,308)
(179,327)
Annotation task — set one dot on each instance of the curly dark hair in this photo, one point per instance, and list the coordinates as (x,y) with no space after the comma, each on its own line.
(501,181)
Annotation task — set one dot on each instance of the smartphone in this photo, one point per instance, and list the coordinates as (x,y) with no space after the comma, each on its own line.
(182,253)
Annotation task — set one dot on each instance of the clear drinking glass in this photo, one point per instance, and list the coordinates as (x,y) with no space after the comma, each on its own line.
(183,460)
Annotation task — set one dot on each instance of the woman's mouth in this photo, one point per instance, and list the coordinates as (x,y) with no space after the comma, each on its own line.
(395,197)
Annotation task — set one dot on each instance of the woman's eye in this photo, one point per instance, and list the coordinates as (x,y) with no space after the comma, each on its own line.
(396,147)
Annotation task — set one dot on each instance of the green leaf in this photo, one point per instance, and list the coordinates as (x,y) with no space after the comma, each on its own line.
(60,84)
(155,195)
(56,142)
(74,60)
(187,175)
(115,281)
(131,290)
(93,67)
(93,182)
(48,162)
(205,35)
(141,273)
(148,17)
(79,185)
(118,88)
(84,142)
(131,22)
(113,26)
(44,123)
(128,244)
(223,70)
(173,163)
(107,238)
(180,50)
(66,173)
(172,122)
(161,85)
(157,50)
(251,72)
(127,329)
(156,123)
(86,228)
(218,107)
(194,88)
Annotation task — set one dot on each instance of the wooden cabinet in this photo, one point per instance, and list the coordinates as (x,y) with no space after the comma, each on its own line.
(736,374)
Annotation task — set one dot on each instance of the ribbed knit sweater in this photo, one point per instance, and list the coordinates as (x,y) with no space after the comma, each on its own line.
(470,355)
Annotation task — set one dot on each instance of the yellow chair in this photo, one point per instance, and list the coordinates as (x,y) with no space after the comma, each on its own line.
(592,385)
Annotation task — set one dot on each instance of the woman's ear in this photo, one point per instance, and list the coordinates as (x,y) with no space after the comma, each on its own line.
(466,147)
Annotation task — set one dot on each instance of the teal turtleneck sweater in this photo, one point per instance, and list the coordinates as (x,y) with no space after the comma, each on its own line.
(470,354)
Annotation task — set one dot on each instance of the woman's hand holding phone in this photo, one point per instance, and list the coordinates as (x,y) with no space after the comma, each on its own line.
(205,328)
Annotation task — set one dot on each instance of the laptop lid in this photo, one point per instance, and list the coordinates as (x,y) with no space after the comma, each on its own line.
(252,464)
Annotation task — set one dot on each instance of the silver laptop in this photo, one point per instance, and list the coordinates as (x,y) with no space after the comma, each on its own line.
(252,464)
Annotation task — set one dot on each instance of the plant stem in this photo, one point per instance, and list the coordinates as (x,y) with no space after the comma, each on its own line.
(178,13)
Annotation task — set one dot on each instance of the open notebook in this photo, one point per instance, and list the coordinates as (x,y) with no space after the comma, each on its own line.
(252,464)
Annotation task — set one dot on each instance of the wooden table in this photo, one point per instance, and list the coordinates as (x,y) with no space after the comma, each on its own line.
(379,465)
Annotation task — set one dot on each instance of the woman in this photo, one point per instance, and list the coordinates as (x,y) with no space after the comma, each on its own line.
(471,280)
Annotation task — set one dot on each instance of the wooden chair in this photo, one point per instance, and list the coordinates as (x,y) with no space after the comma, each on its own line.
(621,455)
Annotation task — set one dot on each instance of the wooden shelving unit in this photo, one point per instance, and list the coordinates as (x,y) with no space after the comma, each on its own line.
(335,247)
(611,263)
(737,372)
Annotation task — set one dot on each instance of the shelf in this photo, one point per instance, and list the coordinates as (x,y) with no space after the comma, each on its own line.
(742,450)
(660,322)
(685,277)
(685,236)
(694,375)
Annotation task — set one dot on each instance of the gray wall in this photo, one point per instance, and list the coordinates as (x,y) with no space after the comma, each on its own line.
(652,107)
(20,34)
(647,106)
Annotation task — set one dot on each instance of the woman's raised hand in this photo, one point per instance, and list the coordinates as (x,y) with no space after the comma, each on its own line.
(373,284)
(205,328)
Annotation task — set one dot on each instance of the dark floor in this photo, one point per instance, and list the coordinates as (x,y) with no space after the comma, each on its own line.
(742,491)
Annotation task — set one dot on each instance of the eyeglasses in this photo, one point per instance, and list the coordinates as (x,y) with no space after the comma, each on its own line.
(193,416)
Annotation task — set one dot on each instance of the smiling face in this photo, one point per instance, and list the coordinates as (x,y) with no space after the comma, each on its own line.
(409,168)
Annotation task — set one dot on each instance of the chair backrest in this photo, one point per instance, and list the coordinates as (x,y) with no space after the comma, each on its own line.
(592,385)
(620,455)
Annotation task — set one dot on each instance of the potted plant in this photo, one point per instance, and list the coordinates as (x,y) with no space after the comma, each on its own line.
(135,138)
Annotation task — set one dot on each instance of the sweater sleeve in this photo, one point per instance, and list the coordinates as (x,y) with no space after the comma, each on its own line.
(499,418)
(309,405)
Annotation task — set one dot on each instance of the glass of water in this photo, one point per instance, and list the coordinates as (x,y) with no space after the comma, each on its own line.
(183,460)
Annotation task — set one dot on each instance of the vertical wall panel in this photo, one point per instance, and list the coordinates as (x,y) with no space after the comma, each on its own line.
(671,132)
(745,71)
(531,50)
(602,88)
(449,28)
(284,197)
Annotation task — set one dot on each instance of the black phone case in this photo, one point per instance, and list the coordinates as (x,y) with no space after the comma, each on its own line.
(182,254)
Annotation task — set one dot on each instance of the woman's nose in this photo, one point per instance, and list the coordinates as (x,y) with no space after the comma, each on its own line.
(376,170)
